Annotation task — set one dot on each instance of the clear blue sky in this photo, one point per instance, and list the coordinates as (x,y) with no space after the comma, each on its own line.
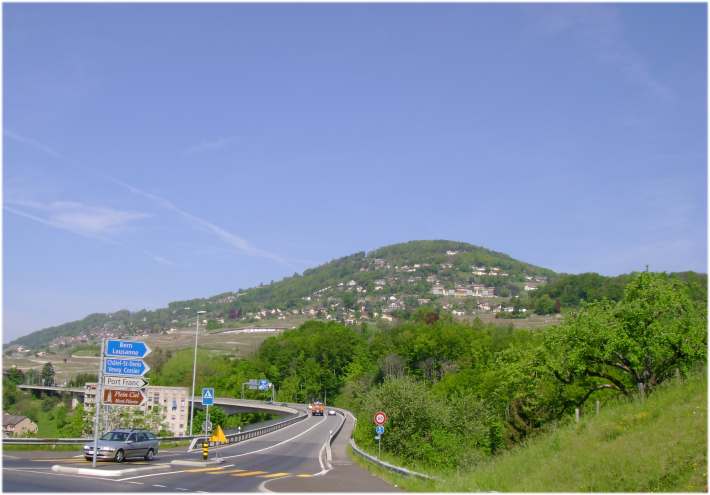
(161,152)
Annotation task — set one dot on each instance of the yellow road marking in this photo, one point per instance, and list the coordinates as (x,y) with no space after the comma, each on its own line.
(203,470)
(249,473)
(304,475)
(274,475)
(226,472)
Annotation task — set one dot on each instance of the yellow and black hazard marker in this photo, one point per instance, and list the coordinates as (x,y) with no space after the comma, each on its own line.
(205,449)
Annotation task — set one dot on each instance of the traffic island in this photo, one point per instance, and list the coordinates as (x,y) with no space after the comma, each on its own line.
(211,462)
(106,472)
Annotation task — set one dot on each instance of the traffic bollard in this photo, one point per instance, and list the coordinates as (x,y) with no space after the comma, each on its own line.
(205,450)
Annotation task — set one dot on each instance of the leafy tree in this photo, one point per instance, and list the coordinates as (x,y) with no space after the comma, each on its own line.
(544,305)
(635,343)
(47,374)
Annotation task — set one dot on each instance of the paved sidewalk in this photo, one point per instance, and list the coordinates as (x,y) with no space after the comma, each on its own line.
(346,475)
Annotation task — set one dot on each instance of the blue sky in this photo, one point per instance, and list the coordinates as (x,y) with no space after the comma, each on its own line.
(161,152)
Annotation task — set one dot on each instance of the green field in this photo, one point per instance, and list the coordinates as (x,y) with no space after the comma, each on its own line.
(659,445)
(234,344)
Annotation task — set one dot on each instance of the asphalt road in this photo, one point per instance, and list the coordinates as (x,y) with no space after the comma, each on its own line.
(295,452)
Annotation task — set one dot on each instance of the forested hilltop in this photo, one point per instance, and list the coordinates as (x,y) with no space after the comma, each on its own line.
(378,287)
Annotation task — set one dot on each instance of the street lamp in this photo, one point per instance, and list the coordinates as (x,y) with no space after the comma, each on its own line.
(194,370)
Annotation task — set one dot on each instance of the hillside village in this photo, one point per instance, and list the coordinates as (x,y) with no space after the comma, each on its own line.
(383,286)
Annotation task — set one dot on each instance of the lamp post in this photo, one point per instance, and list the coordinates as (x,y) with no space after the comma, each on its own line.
(194,370)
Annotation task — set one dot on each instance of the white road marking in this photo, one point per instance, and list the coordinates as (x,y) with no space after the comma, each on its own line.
(31,470)
(182,489)
(277,444)
(154,474)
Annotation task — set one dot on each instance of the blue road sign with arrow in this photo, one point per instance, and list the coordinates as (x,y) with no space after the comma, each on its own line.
(207,396)
(125,367)
(127,348)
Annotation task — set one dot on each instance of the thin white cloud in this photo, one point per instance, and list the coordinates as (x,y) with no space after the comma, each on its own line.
(211,145)
(238,243)
(91,223)
(86,220)
(32,143)
(159,259)
(600,30)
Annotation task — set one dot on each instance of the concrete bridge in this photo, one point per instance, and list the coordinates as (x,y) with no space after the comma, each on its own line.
(230,405)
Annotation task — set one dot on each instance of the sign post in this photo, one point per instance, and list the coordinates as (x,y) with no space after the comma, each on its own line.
(97,403)
(380,418)
(119,368)
(207,401)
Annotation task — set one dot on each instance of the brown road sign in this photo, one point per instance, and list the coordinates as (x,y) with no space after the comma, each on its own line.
(123,397)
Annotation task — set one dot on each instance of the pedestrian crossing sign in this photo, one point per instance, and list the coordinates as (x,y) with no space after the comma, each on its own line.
(218,435)
(207,396)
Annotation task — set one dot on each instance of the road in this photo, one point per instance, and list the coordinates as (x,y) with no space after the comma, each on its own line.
(292,453)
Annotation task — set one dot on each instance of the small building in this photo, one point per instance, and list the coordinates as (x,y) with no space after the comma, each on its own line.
(17,426)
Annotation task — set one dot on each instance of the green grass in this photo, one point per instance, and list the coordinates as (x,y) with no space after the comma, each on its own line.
(34,448)
(659,445)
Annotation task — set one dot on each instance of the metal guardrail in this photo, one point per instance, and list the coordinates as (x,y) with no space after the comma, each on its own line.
(384,464)
(74,441)
(246,435)
(231,438)
(387,465)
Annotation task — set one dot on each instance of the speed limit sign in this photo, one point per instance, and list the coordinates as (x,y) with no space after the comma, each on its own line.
(380,418)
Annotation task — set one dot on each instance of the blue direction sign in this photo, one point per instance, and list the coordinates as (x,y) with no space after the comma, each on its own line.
(207,396)
(379,429)
(263,384)
(127,348)
(125,367)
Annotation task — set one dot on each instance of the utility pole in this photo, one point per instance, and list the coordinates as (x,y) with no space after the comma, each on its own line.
(97,402)
(194,371)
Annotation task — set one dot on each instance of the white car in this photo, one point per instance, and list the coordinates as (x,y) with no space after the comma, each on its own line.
(331,413)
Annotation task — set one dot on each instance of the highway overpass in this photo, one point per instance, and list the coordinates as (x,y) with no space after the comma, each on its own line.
(229,404)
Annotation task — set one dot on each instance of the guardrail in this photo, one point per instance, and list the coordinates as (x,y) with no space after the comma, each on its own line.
(74,441)
(384,464)
(232,438)
(246,435)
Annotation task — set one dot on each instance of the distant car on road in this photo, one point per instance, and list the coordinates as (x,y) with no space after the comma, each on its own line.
(121,444)
(331,413)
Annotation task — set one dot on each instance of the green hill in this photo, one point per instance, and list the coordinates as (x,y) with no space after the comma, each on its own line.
(320,288)
(360,288)
(659,445)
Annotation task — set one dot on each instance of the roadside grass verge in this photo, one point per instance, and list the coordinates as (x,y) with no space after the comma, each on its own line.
(42,448)
(659,445)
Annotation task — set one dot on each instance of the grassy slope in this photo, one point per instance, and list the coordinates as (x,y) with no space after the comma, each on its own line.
(659,445)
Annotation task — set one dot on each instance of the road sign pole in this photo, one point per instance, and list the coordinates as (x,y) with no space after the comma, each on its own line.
(379,446)
(207,421)
(97,402)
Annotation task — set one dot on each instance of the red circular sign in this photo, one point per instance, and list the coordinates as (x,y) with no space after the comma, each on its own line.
(380,418)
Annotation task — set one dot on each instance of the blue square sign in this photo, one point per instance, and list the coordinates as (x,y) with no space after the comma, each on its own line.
(207,396)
